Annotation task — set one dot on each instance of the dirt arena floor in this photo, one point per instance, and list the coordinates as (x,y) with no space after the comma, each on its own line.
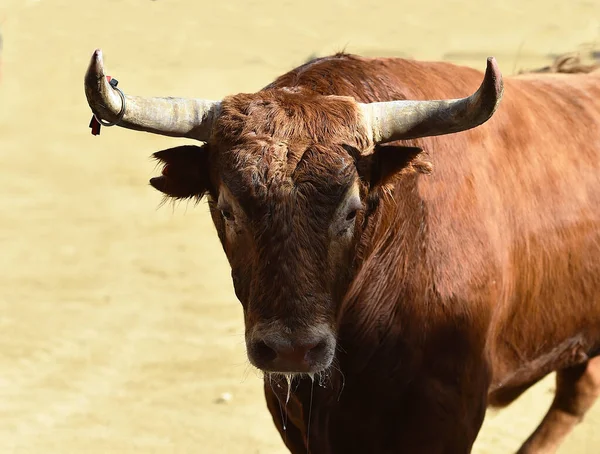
(119,329)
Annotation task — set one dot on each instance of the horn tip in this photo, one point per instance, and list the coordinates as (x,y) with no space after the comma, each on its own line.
(494,74)
(95,83)
(97,63)
(492,66)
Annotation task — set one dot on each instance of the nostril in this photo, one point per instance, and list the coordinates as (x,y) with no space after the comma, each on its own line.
(316,350)
(264,352)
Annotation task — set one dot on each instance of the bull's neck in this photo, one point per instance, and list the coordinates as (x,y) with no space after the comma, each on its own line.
(390,263)
(386,258)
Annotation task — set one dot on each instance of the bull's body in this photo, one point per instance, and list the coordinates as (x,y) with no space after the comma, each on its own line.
(478,280)
(466,286)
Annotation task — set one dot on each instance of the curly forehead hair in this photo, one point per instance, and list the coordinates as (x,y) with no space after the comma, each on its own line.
(285,115)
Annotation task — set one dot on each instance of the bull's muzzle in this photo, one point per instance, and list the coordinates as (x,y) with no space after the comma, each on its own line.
(273,348)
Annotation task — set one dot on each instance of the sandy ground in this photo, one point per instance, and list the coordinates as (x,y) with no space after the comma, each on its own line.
(119,329)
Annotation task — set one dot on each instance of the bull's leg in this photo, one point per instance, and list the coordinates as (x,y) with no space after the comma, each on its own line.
(576,390)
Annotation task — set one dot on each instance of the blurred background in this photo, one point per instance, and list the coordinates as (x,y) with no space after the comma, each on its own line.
(119,328)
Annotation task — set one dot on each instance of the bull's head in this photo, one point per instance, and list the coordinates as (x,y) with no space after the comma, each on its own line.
(290,176)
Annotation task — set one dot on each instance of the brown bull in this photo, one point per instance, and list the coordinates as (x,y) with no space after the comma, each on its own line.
(420,265)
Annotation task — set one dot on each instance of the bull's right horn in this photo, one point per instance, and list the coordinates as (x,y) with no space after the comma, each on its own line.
(175,117)
(400,120)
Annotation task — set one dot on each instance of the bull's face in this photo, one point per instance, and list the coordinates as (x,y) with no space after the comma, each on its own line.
(290,176)
(287,196)
(288,229)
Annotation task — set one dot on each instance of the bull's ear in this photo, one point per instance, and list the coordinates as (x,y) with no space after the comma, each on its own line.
(185,172)
(389,160)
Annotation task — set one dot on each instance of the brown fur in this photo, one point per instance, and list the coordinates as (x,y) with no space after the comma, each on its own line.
(461,286)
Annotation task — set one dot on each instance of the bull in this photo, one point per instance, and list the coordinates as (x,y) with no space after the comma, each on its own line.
(420,239)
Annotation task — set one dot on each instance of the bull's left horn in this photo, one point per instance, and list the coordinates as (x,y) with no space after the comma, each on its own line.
(175,117)
(398,120)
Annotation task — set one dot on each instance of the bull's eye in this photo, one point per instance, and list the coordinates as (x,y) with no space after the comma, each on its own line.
(227,215)
(351,215)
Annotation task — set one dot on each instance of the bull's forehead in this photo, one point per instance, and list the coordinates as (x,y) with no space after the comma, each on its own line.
(279,144)
(263,175)
(291,115)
